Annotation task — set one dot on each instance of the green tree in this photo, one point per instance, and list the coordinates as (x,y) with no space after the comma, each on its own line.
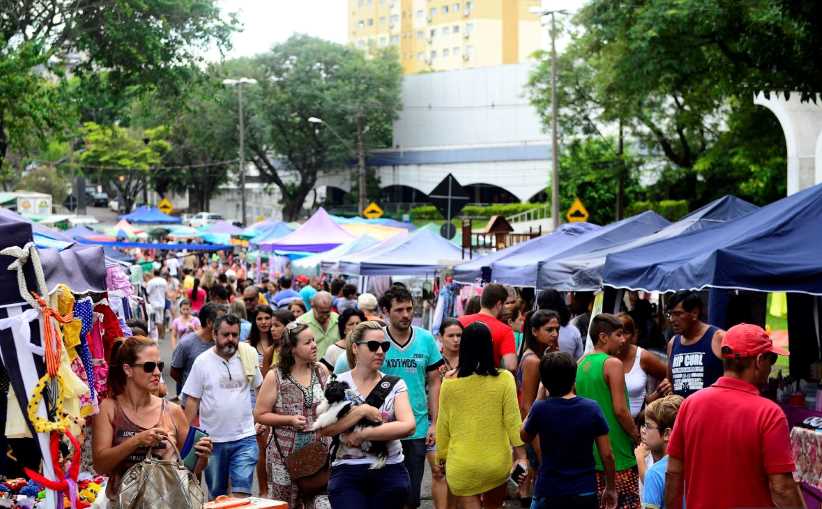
(202,134)
(679,75)
(306,77)
(45,179)
(148,43)
(123,157)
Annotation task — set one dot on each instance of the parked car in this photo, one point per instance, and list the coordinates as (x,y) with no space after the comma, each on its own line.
(204,218)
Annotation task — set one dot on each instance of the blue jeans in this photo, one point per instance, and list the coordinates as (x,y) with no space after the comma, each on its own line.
(235,461)
(357,487)
(414,451)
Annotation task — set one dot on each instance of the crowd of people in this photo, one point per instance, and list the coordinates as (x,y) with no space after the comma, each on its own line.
(534,401)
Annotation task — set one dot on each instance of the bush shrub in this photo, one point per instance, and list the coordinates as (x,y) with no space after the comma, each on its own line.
(672,210)
(429,212)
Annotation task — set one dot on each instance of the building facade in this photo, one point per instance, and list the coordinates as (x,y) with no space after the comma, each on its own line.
(442,35)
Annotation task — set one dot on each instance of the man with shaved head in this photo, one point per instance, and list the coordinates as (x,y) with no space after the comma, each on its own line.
(251,297)
(322,322)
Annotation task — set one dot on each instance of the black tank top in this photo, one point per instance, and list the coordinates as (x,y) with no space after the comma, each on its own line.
(694,367)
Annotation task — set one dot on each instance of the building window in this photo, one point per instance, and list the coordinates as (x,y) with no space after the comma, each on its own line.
(433,54)
(468,5)
(371,22)
(370,2)
(395,19)
(456,51)
(420,14)
(395,39)
(383,41)
(456,7)
(360,3)
(361,43)
(469,28)
(432,12)
(455,29)
(469,52)
(446,52)
(420,56)
(444,30)
(444,9)
(433,32)
(361,24)
(420,34)
(382,21)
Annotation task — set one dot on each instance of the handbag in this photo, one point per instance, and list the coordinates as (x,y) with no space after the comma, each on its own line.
(307,467)
(156,483)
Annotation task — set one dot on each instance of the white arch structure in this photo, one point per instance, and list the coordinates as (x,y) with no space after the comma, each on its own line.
(802,124)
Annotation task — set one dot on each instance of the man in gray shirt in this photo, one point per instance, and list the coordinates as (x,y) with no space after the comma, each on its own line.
(193,344)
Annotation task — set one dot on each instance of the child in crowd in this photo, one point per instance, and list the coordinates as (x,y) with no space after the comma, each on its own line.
(568,426)
(659,422)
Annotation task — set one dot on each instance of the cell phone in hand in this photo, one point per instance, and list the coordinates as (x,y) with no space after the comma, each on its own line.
(517,474)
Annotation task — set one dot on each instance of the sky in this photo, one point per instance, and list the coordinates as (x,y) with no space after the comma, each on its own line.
(267,22)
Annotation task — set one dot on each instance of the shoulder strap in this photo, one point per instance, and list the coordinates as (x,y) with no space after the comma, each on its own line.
(381,391)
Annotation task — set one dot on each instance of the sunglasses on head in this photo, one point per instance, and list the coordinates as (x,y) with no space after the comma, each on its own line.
(376,345)
(150,366)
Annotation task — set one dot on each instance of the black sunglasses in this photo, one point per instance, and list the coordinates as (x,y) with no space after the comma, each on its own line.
(150,366)
(376,345)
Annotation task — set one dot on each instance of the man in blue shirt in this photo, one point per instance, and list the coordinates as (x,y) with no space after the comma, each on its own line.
(285,296)
(414,357)
(660,416)
(571,425)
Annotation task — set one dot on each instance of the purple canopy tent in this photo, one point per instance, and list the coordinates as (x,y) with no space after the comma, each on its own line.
(320,233)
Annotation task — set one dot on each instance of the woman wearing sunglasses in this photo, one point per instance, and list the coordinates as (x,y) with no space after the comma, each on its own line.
(133,420)
(353,483)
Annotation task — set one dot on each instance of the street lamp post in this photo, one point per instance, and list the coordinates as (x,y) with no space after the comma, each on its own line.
(554,112)
(362,196)
(239,83)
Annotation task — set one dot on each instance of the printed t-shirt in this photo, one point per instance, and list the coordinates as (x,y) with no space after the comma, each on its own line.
(356,455)
(224,392)
(502,335)
(696,366)
(571,426)
(746,438)
(412,363)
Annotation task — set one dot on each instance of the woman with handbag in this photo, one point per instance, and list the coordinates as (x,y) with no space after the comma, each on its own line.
(134,422)
(357,479)
(297,457)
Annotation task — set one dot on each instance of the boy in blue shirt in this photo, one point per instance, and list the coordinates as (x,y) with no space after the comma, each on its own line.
(659,422)
(572,425)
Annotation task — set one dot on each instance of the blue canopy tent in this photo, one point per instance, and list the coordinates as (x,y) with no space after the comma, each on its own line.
(584,272)
(270,232)
(776,248)
(470,272)
(80,231)
(150,215)
(522,269)
(422,253)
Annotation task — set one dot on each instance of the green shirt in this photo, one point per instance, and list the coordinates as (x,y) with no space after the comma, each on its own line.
(591,384)
(325,337)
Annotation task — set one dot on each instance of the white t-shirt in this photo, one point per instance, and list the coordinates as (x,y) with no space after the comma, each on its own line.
(173,265)
(156,290)
(225,396)
(356,456)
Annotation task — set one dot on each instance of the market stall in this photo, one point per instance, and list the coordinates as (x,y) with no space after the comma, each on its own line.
(318,234)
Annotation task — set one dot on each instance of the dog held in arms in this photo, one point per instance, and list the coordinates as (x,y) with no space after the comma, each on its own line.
(334,407)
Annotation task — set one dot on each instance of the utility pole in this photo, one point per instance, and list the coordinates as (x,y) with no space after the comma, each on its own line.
(554,133)
(239,84)
(620,201)
(362,198)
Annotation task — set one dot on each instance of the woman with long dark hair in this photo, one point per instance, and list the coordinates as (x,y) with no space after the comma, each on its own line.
(133,420)
(471,427)
(349,319)
(570,339)
(197,296)
(288,402)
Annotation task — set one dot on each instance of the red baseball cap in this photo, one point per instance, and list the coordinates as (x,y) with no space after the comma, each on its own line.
(302,279)
(747,340)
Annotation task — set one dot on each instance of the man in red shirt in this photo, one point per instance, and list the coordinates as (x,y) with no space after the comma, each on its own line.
(730,447)
(491,308)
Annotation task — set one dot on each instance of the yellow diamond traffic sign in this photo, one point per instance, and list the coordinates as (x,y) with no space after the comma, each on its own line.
(165,206)
(577,213)
(373,211)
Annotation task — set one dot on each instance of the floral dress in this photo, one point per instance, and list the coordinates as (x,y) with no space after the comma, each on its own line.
(294,399)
